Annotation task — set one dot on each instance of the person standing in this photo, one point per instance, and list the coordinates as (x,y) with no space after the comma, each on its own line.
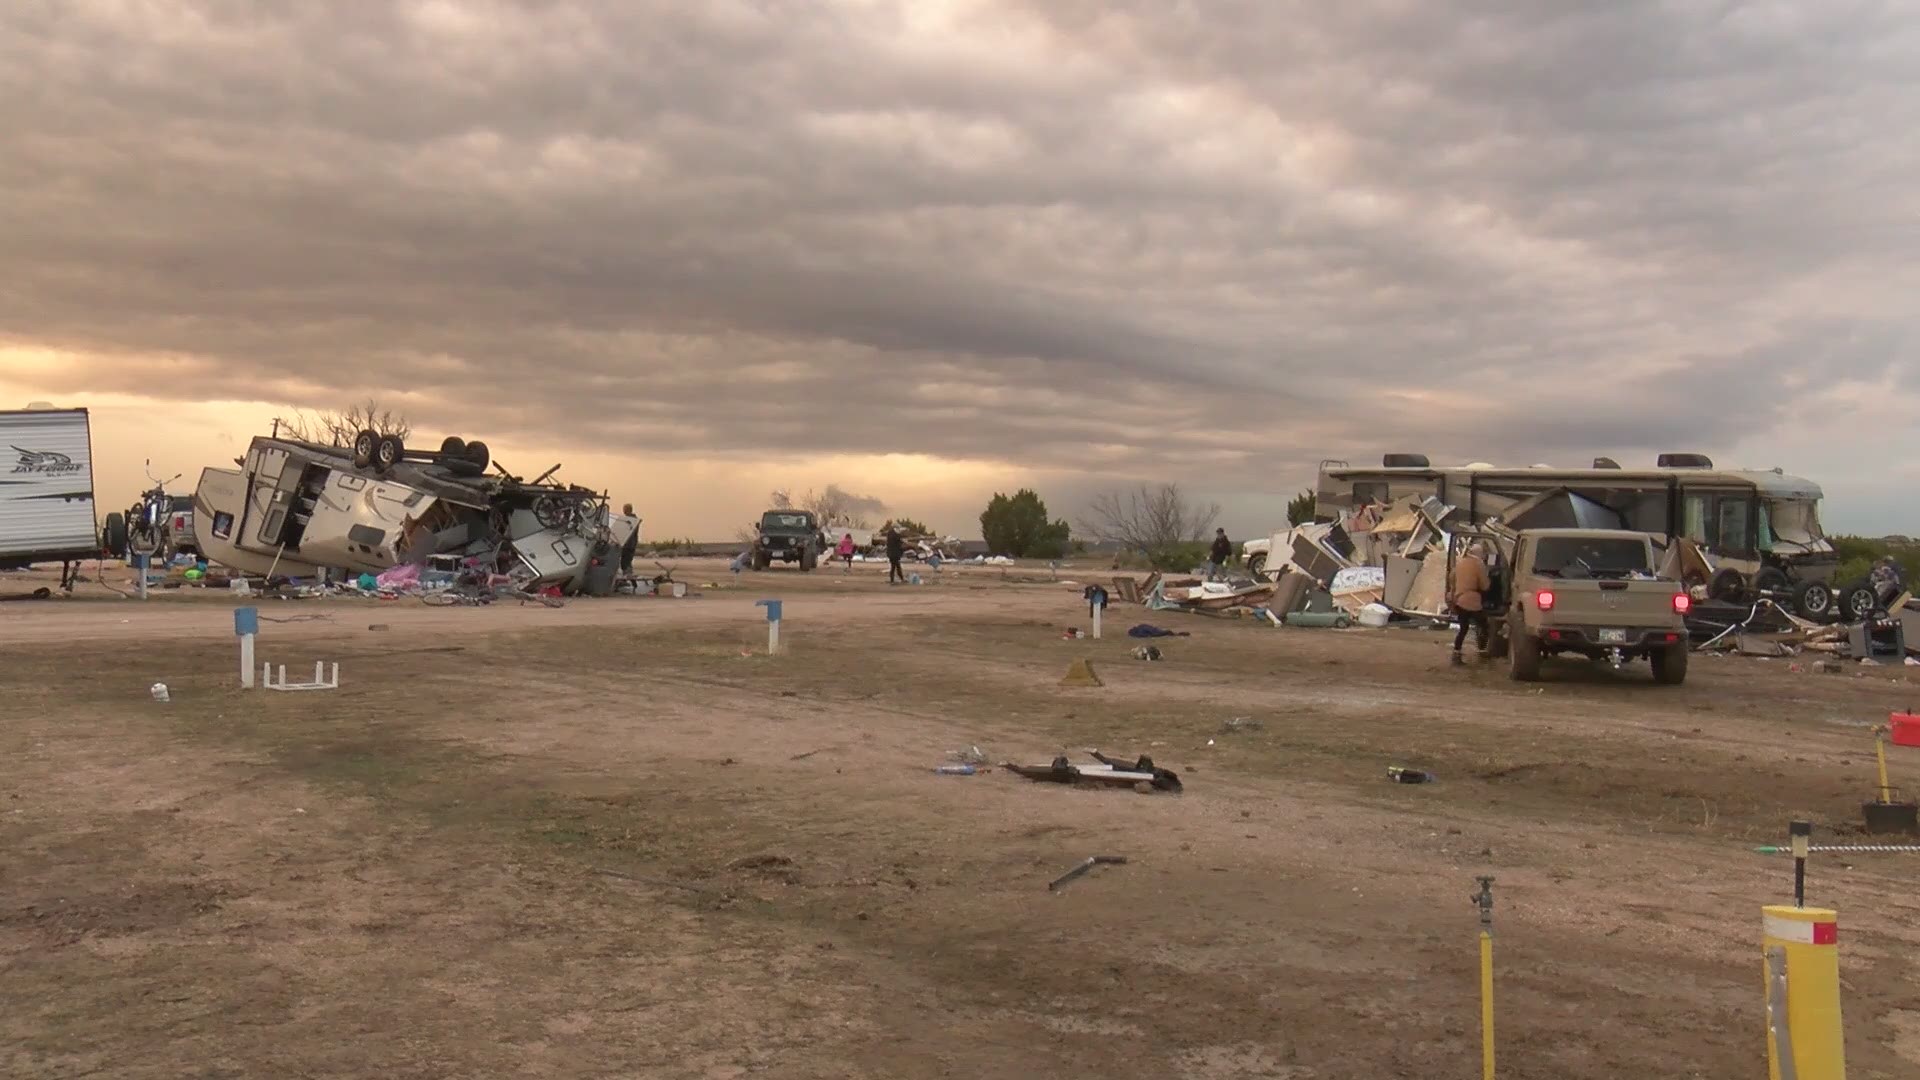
(1220,555)
(845,551)
(1470,584)
(896,548)
(631,545)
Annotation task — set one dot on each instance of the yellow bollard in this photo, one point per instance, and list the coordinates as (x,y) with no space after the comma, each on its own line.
(1485,901)
(1802,964)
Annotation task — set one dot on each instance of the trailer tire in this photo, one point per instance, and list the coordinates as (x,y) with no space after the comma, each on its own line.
(453,446)
(388,451)
(1727,586)
(364,445)
(478,453)
(1770,579)
(115,535)
(1813,600)
(1857,602)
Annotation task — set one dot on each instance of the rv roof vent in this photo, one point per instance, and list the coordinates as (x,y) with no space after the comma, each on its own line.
(1683,461)
(1605,463)
(1404,461)
(39,406)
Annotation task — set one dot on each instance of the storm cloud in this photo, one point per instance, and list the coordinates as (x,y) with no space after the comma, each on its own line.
(1130,239)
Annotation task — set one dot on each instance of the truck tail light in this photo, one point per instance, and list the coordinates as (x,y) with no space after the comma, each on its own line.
(179,523)
(1682,603)
(1544,599)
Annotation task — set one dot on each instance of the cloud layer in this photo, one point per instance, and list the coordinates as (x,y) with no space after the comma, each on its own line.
(1129,239)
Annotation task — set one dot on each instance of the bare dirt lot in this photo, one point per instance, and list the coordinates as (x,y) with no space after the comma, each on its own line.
(616,840)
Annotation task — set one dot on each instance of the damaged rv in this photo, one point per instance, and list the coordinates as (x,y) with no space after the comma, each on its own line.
(296,508)
(1760,529)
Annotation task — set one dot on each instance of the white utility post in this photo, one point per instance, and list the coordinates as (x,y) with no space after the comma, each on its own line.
(773,625)
(246,623)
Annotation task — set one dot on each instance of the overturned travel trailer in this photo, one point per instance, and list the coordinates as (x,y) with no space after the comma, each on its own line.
(295,508)
(46,490)
(1759,527)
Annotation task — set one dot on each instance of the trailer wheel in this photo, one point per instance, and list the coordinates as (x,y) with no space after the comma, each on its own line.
(453,446)
(116,535)
(1857,602)
(1813,600)
(1770,579)
(1727,586)
(478,453)
(388,451)
(364,445)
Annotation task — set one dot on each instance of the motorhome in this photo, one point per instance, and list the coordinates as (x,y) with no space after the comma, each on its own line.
(294,508)
(46,490)
(1760,529)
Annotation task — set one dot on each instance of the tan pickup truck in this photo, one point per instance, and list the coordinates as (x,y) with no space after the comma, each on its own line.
(1590,592)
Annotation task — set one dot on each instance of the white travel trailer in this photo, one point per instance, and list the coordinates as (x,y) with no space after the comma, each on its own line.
(46,490)
(295,508)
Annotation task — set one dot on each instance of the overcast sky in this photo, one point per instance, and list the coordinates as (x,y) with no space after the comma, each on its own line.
(930,248)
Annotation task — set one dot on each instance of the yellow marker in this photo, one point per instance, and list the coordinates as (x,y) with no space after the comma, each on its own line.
(1485,900)
(1802,965)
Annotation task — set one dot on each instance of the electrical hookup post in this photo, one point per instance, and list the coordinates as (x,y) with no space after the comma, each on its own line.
(1484,899)
(1801,952)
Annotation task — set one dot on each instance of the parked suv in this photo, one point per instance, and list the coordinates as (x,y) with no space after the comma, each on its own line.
(789,536)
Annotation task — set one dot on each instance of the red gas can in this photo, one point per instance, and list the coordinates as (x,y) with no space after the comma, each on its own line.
(1903,729)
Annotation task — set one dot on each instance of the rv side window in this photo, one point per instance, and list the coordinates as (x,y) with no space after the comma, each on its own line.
(1694,527)
(1733,525)
(222,526)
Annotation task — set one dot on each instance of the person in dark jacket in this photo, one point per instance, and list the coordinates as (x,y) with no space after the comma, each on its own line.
(1220,555)
(896,549)
(633,544)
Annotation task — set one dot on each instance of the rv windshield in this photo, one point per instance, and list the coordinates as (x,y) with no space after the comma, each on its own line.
(1591,557)
(1795,521)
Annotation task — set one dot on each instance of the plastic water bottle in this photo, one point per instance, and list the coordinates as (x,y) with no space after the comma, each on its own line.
(160,693)
(956,770)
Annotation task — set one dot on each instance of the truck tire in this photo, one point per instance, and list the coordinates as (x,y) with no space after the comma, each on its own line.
(1523,656)
(761,560)
(1670,664)
(1770,579)
(808,560)
(364,444)
(1499,641)
(1813,600)
(1257,565)
(116,535)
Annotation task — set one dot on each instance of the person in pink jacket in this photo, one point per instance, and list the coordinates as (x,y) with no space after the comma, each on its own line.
(845,551)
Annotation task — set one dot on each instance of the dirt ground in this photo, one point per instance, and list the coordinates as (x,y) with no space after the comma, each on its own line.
(617,840)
